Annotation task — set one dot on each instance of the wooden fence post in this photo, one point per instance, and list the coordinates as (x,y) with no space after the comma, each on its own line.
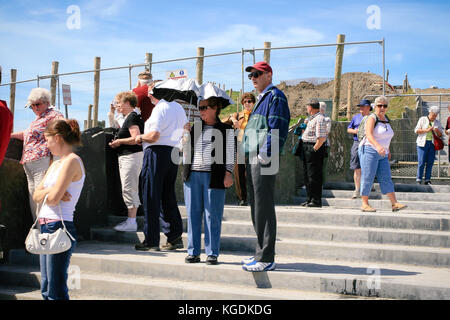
(267,46)
(53,83)
(337,76)
(349,100)
(96,89)
(12,93)
(89,121)
(148,62)
(200,61)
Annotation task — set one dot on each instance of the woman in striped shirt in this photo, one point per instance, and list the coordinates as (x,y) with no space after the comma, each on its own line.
(206,176)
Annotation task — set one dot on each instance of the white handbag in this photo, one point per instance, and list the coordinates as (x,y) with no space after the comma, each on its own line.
(48,243)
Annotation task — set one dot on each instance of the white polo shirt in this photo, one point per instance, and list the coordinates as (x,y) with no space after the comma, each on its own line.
(168,118)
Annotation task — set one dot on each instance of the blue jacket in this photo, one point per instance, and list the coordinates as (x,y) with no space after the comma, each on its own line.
(271,112)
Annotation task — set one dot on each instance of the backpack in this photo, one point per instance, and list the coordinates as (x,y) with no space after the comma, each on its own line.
(362,125)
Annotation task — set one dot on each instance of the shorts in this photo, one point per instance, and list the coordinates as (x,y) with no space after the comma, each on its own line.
(354,157)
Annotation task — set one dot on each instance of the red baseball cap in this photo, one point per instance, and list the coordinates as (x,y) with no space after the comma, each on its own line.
(261,66)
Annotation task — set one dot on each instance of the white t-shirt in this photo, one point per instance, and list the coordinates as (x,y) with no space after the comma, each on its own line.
(168,118)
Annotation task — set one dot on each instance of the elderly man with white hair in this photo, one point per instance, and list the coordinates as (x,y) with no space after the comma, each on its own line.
(428,129)
(36,155)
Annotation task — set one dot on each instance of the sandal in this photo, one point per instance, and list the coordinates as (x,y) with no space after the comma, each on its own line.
(398,207)
(367,208)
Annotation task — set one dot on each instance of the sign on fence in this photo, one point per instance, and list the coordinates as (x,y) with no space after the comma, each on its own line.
(177,74)
(67,97)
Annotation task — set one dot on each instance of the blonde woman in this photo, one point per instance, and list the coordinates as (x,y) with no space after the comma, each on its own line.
(374,156)
(130,157)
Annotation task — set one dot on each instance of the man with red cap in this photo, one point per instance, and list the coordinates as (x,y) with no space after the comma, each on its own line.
(264,137)
(141,90)
(6,124)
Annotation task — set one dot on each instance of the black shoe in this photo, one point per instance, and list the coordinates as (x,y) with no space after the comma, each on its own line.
(211,260)
(142,246)
(427,182)
(145,247)
(192,259)
(419,182)
(176,244)
(243,203)
(313,205)
(304,204)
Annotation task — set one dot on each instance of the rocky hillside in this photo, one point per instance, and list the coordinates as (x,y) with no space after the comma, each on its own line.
(363,84)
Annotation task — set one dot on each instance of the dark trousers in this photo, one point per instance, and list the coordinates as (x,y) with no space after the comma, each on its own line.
(240,181)
(261,195)
(157,181)
(313,168)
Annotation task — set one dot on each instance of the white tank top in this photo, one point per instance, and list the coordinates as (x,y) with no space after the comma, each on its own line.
(67,207)
(383,134)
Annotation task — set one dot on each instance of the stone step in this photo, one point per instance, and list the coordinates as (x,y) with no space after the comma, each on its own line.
(401,196)
(417,206)
(427,220)
(138,287)
(26,293)
(302,276)
(375,252)
(399,187)
(336,233)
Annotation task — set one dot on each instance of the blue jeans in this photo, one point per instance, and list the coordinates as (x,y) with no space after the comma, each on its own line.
(372,164)
(199,199)
(425,156)
(54,266)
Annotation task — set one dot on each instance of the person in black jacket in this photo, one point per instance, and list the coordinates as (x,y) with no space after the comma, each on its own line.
(206,175)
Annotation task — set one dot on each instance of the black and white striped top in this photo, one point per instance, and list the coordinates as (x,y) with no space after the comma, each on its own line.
(203,148)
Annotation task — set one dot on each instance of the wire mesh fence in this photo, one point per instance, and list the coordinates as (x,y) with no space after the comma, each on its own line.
(224,69)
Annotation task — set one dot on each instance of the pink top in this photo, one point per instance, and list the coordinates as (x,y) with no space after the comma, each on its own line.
(34,144)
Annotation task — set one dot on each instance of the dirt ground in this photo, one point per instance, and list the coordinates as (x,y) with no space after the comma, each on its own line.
(363,84)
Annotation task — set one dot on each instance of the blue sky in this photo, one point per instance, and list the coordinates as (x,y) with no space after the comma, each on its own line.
(33,34)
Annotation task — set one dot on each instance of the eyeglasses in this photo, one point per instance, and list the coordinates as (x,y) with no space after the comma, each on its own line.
(35,104)
(203,108)
(382,106)
(248,101)
(254,74)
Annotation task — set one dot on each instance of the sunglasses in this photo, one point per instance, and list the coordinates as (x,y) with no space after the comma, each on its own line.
(382,106)
(248,101)
(203,108)
(35,104)
(254,74)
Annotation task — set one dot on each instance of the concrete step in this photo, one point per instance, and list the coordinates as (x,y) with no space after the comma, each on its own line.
(417,206)
(399,187)
(352,217)
(304,277)
(375,252)
(138,287)
(332,233)
(27,293)
(401,196)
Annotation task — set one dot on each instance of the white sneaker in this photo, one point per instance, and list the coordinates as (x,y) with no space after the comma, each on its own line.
(126,226)
(257,266)
(248,260)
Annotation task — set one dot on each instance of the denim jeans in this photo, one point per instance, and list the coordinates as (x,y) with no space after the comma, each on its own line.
(199,199)
(425,156)
(54,267)
(372,164)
